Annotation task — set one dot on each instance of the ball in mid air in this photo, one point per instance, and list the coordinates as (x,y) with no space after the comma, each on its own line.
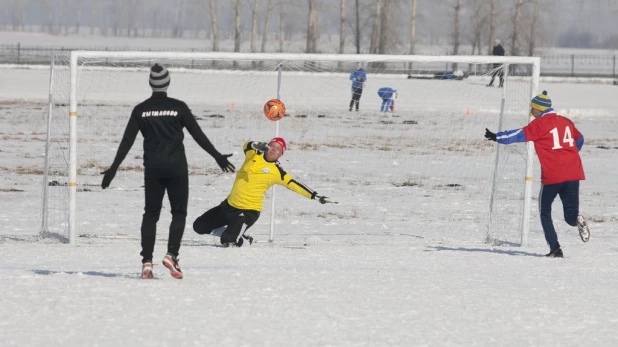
(274,109)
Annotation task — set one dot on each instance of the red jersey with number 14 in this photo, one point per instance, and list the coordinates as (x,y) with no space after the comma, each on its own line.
(554,139)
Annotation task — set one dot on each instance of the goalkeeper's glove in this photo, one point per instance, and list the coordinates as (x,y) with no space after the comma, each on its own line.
(225,164)
(489,135)
(325,200)
(108,177)
(260,146)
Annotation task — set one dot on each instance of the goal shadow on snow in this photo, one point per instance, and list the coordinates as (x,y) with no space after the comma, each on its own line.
(85,273)
(485,250)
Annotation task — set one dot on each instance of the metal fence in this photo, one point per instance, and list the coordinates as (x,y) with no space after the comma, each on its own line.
(561,65)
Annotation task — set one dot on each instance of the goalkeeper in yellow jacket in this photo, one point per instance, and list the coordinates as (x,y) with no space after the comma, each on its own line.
(242,207)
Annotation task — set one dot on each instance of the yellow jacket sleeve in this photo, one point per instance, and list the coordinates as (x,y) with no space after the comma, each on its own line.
(249,151)
(297,187)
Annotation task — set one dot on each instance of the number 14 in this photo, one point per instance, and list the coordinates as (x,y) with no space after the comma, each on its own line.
(567,137)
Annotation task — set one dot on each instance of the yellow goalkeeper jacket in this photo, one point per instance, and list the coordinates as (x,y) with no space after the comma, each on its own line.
(256,176)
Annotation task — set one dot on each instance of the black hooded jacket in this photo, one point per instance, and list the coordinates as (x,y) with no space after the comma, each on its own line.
(161,121)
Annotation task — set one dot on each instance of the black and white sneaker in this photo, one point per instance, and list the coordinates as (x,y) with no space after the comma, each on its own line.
(244,240)
(556,253)
(248,239)
(232,244)
(582,227)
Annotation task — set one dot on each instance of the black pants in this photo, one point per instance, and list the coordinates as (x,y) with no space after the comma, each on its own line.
(356,95)
(500,73)
(237,221)
(178,193)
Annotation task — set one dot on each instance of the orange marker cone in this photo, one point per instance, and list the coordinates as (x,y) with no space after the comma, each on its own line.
(233,105)
(467,112)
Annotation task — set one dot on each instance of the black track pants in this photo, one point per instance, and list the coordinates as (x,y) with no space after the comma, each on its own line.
(237,221)
(178,194)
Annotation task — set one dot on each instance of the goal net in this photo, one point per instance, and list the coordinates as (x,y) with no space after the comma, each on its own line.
(419,171)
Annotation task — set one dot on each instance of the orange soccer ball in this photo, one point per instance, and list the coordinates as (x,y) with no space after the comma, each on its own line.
(274,109)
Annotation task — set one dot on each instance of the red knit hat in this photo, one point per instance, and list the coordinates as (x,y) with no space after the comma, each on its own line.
(280,141)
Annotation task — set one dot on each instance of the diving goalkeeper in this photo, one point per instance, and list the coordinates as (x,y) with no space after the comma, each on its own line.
(231,219)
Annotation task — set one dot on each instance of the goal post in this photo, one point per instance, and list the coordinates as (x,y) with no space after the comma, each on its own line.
(429,152)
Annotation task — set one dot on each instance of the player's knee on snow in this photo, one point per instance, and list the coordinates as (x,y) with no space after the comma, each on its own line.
(200,227)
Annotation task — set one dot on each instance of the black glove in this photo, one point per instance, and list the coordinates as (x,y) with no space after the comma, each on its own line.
(108,177)
(323,200)
(224,164)
(489,135)
(260,146)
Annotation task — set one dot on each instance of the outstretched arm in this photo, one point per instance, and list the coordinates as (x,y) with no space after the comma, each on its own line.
(300,188)
(506,137)
(188,120)
(198,135)
(290,183)
(511,136)
(130,132)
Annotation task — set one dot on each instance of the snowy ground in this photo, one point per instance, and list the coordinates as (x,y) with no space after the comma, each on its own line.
(335,277)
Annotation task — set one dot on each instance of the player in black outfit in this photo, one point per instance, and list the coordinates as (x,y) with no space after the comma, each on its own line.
(498,51)
(161,120)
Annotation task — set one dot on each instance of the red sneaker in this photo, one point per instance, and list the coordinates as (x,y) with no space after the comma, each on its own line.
(171,262)
(147,271)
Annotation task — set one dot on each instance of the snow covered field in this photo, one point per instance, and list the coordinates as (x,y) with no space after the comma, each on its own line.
(337,275)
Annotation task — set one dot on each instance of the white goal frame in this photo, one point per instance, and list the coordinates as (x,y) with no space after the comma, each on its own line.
(533,62)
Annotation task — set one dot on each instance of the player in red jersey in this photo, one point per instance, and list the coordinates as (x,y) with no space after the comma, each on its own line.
(557,143)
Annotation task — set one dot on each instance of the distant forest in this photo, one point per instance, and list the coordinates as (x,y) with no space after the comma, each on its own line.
(350,26)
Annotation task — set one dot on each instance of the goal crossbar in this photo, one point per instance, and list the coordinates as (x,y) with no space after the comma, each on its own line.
(465,59)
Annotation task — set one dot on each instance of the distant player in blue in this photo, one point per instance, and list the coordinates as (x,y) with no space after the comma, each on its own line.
(388,96)
(358,78)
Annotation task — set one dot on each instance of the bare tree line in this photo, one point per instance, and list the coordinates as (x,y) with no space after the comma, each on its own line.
(370,26)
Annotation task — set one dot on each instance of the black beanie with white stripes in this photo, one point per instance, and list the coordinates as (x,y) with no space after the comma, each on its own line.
(159,78)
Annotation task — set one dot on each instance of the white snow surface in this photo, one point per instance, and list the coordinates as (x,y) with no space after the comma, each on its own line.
(314,286)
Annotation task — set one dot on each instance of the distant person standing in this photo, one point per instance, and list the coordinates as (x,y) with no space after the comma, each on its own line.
(498,68)
(358,78)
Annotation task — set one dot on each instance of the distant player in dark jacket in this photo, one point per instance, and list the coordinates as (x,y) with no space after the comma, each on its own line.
(498,68)
(161,120)
(358,78)
(557,143)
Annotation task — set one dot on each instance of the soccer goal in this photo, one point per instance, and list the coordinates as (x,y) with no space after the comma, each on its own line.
(422,170)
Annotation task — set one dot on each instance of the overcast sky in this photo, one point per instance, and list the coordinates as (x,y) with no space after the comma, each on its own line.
(595,19)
